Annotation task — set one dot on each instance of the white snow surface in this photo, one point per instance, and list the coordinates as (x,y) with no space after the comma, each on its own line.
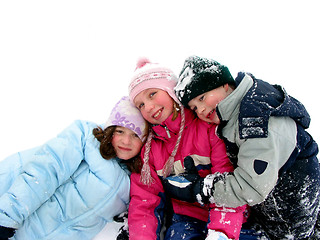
(109,232)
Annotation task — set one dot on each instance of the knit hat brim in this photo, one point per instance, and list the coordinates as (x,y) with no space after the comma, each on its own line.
(125,114)
(200,75)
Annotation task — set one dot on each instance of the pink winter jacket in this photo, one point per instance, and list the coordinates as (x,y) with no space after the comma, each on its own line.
(200,141)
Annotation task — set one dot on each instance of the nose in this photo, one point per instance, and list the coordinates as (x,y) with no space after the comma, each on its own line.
(149,107)
(126,139)
(201,109)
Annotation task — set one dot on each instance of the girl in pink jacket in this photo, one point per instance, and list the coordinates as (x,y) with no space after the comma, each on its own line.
(178,142)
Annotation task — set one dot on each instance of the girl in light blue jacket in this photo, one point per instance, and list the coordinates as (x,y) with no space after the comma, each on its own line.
(71,186)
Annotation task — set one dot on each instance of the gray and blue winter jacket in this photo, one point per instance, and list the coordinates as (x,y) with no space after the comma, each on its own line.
(264,132)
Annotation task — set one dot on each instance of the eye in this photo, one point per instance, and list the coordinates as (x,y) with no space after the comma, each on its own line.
(201,98)
(139,106)
(152,94)
(194,108)
(135,135)
(118,131)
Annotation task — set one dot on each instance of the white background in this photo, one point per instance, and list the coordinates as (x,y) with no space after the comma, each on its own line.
(67,60)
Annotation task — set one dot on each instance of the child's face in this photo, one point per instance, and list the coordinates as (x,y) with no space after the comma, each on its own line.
(155,105)
(205,104)
(126,143)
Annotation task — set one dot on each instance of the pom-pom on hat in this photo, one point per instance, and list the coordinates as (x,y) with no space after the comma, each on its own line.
(125,114)
(200,75)
(152,75)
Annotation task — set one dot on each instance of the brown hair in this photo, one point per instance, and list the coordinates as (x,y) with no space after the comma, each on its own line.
(107,150)
(176,109)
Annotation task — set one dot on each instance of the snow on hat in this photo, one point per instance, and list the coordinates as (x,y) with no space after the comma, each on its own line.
(200,75)
(125,114)
(152,75)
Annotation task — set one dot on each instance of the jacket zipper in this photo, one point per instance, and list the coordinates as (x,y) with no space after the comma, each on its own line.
(167,130)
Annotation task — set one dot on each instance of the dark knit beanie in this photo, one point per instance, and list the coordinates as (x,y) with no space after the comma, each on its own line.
(200,75)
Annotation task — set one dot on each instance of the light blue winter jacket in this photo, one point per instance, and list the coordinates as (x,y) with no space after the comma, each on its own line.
(63,189)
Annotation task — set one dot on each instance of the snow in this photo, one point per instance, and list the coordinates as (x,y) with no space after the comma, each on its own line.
(212,235)
(109,232)
(185,79)
(65,60)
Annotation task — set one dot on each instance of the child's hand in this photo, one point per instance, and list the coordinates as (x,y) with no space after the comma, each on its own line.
(123,232)
(190,187)
(6,233)
(185,186)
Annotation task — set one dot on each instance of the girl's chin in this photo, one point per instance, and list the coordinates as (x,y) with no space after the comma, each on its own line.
(208,120)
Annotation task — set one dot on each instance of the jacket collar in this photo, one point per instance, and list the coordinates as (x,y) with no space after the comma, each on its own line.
(170,129)
(231,104)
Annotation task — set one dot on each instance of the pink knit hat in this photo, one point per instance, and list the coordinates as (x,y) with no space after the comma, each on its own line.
(152,75)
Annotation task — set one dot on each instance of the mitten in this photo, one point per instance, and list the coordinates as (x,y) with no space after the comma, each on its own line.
(215,235)
(206,192)
(190,187)
(123,232)
(6,233)
(185,186)
(122,217)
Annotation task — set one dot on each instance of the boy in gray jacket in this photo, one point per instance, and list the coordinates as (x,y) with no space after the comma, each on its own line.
(276,167)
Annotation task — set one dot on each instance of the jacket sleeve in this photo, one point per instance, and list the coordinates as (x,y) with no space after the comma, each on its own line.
(46,168)
(259,161)
(146,207)
(227,220)
(223,219)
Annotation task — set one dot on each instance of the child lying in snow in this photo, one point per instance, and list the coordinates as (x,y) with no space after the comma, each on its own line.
(66,189)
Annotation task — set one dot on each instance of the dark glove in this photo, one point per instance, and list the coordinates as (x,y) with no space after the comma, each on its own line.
(123,232)
(186,186)
(6,233)
(190,187)
(122,217)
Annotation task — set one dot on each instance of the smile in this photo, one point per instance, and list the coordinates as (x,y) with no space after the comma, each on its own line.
(124,149)
(157,114)
(210,113)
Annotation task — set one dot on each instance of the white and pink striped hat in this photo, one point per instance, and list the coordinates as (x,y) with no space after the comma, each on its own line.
(152,75)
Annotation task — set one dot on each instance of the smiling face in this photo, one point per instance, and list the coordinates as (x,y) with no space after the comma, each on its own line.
(155,105)
(205,104)
(126,143)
